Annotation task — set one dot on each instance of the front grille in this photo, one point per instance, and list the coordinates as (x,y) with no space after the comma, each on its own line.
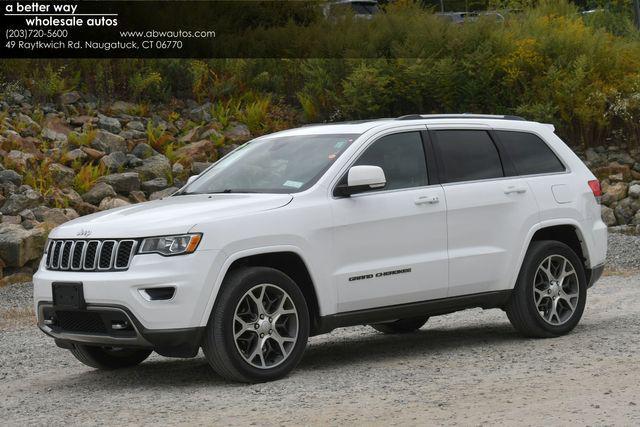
(80,321)
(90,255)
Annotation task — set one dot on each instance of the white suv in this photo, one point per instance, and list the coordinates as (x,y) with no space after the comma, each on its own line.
(294,234)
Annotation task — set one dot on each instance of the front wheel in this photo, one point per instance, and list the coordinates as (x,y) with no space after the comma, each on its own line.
(550,294)
(259,326)
(109,357)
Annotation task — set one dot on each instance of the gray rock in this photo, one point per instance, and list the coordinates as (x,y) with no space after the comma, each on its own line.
(53,135)
(625,210)
(109,124)
(201,113)
(75,155)
(136,125)
(98,192)
(608,216)
(133,134)
(29,127)
(63,176)
(122,107)
(69,98)
(157,166)
(11,219)
(133,161)
(114,161)
(143,151)
(9,175)
(111,203)
(123,183)
(636,219)
(622,158)
(177,168)
(55,216)
(237,133)
(634,191)
(137,197)
(154,185)
(19,158)
(636,167)
(163,193)
(18,202)
(19,246)
(198,167)
(109,142)
(27,214)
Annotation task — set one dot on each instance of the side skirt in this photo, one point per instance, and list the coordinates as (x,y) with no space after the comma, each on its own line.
(485,300)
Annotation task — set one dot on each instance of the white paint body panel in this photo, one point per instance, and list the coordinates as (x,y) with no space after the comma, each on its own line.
(472,240)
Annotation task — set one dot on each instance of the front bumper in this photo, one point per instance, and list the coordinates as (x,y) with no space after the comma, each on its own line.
(192,276)
(94,325)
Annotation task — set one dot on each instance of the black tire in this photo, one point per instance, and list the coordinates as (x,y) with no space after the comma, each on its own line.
(521,309)
(401,326)
(219,344)
(109,358)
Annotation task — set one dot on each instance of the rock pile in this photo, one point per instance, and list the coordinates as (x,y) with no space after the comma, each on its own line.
(76,157)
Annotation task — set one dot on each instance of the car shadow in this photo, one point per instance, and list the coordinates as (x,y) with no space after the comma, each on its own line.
(323,353)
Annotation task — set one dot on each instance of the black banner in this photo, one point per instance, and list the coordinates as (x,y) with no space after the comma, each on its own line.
(175,29)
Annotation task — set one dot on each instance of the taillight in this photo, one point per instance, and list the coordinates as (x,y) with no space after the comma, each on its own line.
(596,189)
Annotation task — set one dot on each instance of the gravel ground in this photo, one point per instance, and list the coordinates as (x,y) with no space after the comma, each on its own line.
(468,368)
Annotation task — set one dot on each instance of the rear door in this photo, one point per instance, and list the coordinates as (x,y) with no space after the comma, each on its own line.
(489,209)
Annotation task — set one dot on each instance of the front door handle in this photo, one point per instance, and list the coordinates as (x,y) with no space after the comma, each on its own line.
(426,200)
(514,189)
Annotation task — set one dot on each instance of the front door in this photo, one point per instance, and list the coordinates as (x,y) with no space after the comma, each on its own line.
(391,244)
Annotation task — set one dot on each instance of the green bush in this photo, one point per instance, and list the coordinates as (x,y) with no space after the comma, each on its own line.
(548,63)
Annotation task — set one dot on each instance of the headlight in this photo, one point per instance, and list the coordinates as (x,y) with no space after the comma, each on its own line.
(171,245)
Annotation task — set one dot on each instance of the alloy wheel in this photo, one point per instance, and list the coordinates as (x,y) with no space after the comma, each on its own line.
(265,326)
(556,290)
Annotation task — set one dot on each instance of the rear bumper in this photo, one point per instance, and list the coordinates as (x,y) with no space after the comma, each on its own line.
(94,325)
(594,274)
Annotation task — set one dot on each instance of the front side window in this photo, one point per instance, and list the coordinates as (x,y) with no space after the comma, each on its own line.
(529,153)
(285,164)
(467,155)
(401,157)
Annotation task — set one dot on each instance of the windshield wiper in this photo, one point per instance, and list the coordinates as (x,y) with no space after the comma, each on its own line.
(230,190)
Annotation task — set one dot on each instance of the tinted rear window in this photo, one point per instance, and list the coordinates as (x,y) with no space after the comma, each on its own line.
(467,155)
(530,154)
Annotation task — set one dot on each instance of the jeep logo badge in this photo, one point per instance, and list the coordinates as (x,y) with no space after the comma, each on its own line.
(83,232)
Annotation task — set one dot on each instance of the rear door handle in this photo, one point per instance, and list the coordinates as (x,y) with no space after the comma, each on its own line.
(426,200)
(513,189)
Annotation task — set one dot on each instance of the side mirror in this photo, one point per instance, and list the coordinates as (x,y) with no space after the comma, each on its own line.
(191,179)
(362,178)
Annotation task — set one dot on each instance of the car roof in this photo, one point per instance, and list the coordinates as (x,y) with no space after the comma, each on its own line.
(362,126)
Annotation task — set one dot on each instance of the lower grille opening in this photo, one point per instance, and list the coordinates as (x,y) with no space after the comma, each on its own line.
(80,321)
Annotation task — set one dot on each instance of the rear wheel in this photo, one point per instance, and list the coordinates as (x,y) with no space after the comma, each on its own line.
(401,326)
(259,327)
(551,291)
(109,357)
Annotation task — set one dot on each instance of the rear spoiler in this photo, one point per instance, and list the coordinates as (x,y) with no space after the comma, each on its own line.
(549,126)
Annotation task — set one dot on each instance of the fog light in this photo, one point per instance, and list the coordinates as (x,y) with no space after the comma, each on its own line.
(119,325)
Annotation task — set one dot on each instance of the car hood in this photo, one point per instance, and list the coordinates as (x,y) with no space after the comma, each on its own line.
(171,215)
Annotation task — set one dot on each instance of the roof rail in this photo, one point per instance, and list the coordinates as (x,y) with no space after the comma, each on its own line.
(459,116)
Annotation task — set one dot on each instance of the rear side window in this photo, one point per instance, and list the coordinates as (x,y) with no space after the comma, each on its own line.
(467,155)
(530,154)
(401,157)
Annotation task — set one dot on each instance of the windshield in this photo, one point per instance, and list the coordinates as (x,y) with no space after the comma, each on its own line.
(286,164)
